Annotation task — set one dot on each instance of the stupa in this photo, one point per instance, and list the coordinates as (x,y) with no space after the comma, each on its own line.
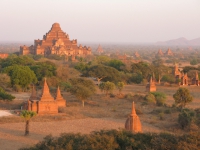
(133,121)
(151,86)
(45,103)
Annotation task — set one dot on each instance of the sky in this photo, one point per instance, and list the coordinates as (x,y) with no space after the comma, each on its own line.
(116,21)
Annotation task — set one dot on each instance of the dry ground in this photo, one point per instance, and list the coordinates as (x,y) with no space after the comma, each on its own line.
(100,112)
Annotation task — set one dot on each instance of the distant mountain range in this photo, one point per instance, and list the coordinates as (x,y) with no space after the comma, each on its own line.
(180,41)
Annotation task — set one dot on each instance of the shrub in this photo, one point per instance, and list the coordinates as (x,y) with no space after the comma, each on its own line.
(5,96)
(160,98)
(150,98)
(185,118)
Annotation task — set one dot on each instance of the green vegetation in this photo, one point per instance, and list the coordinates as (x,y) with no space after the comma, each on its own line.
(5,96)
(27,115)
(185,118)
(105,73)
(20,76)
(120,86)
(182,97)
(82,88)
(160,98)
(150,98)
(119,140)
(107,87)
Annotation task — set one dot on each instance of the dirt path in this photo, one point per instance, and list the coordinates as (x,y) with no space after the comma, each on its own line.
(12,134)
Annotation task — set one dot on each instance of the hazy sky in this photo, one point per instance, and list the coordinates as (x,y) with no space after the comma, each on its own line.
(101,20)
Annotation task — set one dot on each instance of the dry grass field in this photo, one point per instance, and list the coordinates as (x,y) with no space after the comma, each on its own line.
(100,112)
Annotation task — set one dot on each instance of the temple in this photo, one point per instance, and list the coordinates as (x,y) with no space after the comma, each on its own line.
(136,54)
(133,122)
(99,49)
(160,53)
(151,86)
(169,52)
(56,42)
(45,103)
(3,55)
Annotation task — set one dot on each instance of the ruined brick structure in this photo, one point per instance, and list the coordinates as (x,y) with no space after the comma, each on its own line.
(151,86)
(195,80)
(45,103)
(3,55)
(56,42)
(184,79)
(133,122)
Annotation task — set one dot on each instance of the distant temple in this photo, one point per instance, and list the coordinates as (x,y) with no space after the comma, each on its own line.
(133,122)
(151,86)
(183,78)
(45,104)
(99,49)
(56,42)
(169,52)
(3,55)
(136,54)
(160,53)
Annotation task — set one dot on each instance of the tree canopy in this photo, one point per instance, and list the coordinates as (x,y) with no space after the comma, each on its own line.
(182,97)
(82,88)
(21,75)
(105,73)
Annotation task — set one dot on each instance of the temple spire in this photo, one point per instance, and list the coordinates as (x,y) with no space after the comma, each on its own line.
(46,96)
(197,76)
(33,94)
(133,109)
(150,80)
(58,94)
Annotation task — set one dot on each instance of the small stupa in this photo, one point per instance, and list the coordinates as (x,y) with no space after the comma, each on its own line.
(133,121)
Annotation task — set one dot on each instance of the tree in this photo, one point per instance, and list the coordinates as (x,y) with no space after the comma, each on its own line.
(117,64)
(5,96)
(4,80)
(150,98)
(107,87)
(169,78)
(21,75)
(185,118)
(17,60)
(27,115)
(160,98)
(105,73)
(120,86)
(182,97)
(82,88)
(44,69)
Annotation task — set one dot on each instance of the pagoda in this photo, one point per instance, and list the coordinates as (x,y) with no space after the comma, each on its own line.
(55,42)
(160,53)
(151,86)
(169,52)
(133,123)
(136,54)
(45,103)
(99,49)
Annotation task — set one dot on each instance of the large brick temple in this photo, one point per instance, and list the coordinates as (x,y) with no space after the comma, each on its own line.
(56,42)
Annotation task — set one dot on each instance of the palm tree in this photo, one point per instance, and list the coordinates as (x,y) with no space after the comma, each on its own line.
(27,115)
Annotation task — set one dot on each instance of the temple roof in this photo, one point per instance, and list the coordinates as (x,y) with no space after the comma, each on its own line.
(46,96)
(58,94)
(133,109)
